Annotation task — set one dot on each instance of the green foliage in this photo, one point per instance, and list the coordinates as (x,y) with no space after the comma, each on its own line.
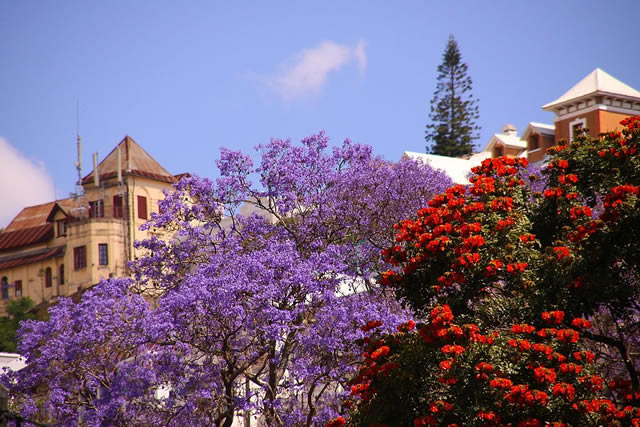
(454,110)
(19,310)
(550,276)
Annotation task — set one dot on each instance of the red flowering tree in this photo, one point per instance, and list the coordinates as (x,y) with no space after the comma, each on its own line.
(545,289)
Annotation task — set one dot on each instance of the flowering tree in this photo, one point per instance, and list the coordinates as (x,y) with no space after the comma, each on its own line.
(259,291)
(84,362)
(551,277)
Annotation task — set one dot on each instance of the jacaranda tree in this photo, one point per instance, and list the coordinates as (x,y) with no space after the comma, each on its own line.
(528,300)
(247,302)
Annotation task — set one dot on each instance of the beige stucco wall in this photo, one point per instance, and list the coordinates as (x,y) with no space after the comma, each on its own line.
(117,233)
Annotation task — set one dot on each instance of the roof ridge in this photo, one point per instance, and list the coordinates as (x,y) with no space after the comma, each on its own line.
(134,158)
(596,81)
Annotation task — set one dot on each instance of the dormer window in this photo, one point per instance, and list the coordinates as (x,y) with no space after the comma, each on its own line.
(61,226)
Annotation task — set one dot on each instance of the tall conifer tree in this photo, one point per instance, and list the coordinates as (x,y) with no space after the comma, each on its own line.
(454,110)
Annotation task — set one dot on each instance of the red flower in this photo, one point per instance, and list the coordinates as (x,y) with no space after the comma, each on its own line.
(446,364)
(553,317)
(380,352)
(522,329)
(452,349)
(407,326)
(371,324)
(336,422)
(503,383)
(581,323)
(561,252)
(564,389)
(543,374)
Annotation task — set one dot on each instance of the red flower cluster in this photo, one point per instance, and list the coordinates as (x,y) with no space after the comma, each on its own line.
(453,349)
(522,345)
(407,326)
(631,122)
(523,329)
(371,324)
(567,335)
(336,422)
(500,166)
(584,355)
(577,212)
(561,164)
(565,390)
(561,252)
(553,317)
(543,374)
(568,179)
(615,199)
(489,416)
(521,395)
(380,352)
(581,323)
(516,268)
(526,238)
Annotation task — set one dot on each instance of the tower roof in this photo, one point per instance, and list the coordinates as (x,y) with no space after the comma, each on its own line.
(597,82)
(134,160)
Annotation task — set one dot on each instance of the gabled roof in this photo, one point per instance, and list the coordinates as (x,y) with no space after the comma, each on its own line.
(539,128)
(597,82)
(134,160)
(456,168)
(542,128)
(37,215)
(506,140)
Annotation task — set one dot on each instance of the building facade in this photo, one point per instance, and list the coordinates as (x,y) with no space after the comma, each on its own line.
(597,103)
(62,247)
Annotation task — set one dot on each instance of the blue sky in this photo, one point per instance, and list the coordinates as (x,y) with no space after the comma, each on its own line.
(186,78)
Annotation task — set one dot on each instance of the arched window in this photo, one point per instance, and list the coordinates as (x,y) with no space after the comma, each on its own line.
(48,277)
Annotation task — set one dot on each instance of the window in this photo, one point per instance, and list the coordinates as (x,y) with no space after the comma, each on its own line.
(576,126)
(103,254)
(62,227)
(79,257)
(498,150)
(61,278)
(534,142)
(4,287)
(48,277)
(18,288)
(96,209)
(142,207)
(117,207)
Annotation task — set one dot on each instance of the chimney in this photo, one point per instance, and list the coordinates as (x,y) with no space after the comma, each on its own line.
(510,130)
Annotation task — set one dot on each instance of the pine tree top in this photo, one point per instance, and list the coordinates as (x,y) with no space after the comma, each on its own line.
(454,110)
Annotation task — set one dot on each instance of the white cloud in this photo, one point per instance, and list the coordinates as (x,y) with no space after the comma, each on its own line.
(22,183)
(306,74)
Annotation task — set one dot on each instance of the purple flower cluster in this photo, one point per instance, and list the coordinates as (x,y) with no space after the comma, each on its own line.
(259,291)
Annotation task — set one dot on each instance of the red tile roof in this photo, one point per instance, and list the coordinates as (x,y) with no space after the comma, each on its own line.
(29,259)
(25,236)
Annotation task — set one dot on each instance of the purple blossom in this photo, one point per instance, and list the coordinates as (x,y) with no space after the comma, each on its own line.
(260,292)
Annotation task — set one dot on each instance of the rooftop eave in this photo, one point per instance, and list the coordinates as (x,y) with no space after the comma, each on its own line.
(553,106)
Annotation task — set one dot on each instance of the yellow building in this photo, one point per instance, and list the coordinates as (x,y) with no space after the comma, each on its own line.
(62,247)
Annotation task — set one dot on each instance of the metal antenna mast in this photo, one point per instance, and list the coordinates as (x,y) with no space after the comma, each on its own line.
(78,195)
